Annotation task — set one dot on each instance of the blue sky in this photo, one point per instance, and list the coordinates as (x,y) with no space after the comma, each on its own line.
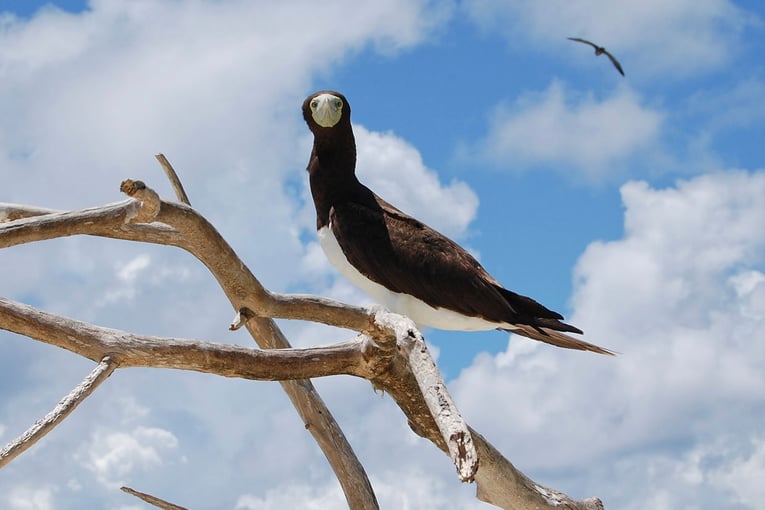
(634,205)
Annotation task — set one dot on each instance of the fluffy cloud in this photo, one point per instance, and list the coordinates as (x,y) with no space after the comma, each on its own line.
(26,498)
(404,488)
(649,37)
(743,475)
(680,296)
(385,161)
(113,456)
(595,138)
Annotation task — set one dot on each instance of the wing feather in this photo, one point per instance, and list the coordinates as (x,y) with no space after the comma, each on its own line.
(585,41)
(615,62)
(427,265)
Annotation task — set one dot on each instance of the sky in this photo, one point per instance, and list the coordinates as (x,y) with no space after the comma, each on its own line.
(633,205)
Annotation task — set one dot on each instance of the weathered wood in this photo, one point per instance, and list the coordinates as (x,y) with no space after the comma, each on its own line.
(130,350)
(64,408)
(175,182)
(114,221)
(152,500)
(388,352)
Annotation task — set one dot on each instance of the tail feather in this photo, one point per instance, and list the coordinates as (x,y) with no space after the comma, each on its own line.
(557,338)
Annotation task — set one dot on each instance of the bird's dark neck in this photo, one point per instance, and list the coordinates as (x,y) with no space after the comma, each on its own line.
(332,171)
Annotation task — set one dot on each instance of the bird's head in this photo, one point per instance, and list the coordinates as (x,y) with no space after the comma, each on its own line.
(325,109)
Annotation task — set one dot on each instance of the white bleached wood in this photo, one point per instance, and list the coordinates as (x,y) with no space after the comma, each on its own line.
(63,409)
(453,428)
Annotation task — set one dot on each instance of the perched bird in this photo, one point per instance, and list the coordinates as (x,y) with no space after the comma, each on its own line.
(600,50)
(399,261)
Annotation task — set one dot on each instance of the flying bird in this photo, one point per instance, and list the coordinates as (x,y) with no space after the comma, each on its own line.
(600,50)
(399,261)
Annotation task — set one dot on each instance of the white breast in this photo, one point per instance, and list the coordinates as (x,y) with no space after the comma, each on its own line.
(419,311)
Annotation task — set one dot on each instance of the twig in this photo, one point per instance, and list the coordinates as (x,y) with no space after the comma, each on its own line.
(152,500)
(174,180)
(68,404)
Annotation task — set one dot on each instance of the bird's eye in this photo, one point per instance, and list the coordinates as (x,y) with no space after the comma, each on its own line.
(314,104)
(338,103)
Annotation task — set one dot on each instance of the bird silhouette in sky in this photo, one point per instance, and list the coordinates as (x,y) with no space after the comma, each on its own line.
(600,50)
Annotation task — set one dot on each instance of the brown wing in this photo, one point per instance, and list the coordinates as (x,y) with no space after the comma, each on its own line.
(427,265)
(615,62)
(585,41)
(372,233)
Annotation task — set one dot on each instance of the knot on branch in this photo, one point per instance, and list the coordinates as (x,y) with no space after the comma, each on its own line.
(384,339)
(147,197)
(241,318)
(396,328)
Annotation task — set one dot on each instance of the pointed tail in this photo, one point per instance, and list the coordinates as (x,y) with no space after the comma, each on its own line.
(557,338)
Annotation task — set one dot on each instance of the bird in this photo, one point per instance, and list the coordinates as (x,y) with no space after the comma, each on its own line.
(600,50)
(403,264)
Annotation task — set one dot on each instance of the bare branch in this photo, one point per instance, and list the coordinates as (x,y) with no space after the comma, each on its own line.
(453,429)
(10,212)
(501,484)
(152,500)
(180,193)
(195,234)
(130,350)
(384,355)
(68,404)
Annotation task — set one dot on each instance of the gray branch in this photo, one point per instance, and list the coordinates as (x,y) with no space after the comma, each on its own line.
(389,352)
(64,408)
(152,500)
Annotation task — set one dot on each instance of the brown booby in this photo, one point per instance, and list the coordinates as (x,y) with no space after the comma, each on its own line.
(399,261)
(600,50)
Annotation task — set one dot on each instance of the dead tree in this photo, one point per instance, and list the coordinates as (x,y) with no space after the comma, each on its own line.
(388,351)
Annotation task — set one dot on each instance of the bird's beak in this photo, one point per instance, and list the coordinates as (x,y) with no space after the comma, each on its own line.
(326,109)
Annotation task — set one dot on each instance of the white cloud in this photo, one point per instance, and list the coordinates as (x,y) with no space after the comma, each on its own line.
(28,498)
(554,130)
(671,38)
(743,475)
(395,171)
(302,496)
(740,106)
(114,456)
(406,488)
(678,296)
(133,268)
(134,78)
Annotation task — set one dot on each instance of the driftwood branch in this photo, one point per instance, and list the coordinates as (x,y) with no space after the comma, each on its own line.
(41,427)
(116,221)
(175,181)
(124,350)
(152,500)
(389,351)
